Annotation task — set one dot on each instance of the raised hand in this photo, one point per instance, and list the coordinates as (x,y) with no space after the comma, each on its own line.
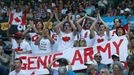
(69,17)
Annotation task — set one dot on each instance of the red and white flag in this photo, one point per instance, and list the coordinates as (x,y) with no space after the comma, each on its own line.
(17,18)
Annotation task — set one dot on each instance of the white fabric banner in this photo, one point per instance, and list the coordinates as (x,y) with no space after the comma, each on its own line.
(77,56)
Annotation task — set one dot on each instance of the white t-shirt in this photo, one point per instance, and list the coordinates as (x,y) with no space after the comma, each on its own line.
(65,40)
(98,39)
(24,45)
(34,47)
(45,45)
(85,35)
(55,38)
(113,33)
(20,73)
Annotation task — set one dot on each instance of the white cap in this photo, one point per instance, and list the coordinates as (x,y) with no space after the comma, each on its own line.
(122,11)
(115,55)
(49,10)
(93,62)
(127,9)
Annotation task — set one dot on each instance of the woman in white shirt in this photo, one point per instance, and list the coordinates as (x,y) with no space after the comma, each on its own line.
(45,42)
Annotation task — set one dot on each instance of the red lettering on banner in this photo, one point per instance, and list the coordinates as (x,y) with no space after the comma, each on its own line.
(49,59)
(24,65)
(54,58)
(117,46)
(41,61)
(88,52)
(30,62)
(107,47)
(77,57)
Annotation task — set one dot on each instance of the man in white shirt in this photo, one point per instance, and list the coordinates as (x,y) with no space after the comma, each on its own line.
(17,65)
(20,45)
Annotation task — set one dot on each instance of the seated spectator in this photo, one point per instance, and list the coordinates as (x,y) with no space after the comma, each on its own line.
(92,68)
(4,62)
(104,71)
(130,64)
(115,57)
(62,70)
(117,68)
(98,58)
(17,68)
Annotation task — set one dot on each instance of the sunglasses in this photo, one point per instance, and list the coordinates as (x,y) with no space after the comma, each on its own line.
(98,56)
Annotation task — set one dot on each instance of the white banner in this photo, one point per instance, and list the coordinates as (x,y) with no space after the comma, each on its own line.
(77,56)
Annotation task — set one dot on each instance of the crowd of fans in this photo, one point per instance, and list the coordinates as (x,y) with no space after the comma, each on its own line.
(55,25)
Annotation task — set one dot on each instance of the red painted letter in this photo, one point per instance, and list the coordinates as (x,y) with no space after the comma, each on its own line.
(88,52)
(42,62)
(56,55)
(117,46)
(107,47)
(30,62)
(77,57)
(24,65)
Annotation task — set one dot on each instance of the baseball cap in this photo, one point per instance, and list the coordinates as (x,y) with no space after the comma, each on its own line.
(93,62)
(62,61)
(115,56)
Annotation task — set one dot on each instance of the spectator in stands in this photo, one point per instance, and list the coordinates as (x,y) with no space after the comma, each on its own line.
(17,20)
(62,70)
(35,30)
(120,31)
(85,31)
(117,68)
(3,10)
(17,66)
(20,45)
(92,68)
(131,48)
(45,41)
(102,4)
(130,64)
(66,32)
(104,71)
(4,62)
(98,59)
(115,57)
(117,23)
(102,31)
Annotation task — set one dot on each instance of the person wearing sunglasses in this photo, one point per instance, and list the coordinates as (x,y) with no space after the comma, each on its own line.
(98,58)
